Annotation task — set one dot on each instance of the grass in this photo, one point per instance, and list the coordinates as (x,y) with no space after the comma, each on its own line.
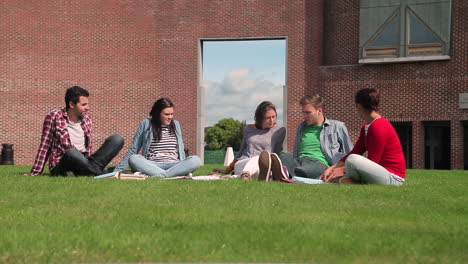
(74,220)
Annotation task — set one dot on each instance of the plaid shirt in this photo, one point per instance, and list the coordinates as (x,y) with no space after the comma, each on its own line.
(55,139)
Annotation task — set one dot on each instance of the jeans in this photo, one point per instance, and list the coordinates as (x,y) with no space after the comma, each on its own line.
(302,167)
(164,169)
(76,162)
(364,170)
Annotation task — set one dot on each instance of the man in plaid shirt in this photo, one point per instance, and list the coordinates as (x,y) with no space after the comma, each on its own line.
(67,140)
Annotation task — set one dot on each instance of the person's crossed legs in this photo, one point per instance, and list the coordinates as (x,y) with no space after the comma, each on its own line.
(363,170)
(73,162)
(302,167)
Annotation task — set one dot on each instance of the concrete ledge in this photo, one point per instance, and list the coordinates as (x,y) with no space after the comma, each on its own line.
(403,59)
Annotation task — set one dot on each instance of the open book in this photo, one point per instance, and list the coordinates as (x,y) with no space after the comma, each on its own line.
(197,178)
(131,176)
(123,176)
(301,180)
(140,176)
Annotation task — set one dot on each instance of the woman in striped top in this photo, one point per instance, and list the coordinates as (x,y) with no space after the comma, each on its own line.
(159,139)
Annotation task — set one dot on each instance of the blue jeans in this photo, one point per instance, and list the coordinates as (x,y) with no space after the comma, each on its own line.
(303,167)
(164,169)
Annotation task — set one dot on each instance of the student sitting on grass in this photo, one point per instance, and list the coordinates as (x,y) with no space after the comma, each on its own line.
(160,141)
(319,143)
(67,140)
(385,163)
(265,134)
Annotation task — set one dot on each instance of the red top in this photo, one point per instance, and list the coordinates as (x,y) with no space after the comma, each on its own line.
(382,145)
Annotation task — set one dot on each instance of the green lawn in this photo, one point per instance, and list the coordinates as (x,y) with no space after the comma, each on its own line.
(76,220)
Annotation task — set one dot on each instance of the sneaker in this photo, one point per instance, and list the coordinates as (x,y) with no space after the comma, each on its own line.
(286,172)
(277,169)
(264,164)
(69,174)
(346,180)
(336,180)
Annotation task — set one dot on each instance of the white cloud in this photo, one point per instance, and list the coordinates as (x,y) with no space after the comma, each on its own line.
(238,95)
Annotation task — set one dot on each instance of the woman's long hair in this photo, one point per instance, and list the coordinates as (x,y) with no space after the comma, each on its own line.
(155,114)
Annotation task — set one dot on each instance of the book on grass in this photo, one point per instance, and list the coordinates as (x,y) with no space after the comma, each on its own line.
(131,176)
(196,178)
(123,176)
(301,180)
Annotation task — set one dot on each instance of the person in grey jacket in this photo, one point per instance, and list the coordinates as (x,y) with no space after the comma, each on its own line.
(160,141)
(264,135)
(320,142)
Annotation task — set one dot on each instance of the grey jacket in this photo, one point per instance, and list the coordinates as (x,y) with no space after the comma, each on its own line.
(142,141)
(334,140)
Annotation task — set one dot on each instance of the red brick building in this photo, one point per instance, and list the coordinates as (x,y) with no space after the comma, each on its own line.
(129,53)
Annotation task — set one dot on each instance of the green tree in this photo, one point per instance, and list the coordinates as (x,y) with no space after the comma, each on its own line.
(227,132)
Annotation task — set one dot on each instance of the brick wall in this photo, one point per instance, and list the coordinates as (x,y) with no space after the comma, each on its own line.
(130,53)
(416,92)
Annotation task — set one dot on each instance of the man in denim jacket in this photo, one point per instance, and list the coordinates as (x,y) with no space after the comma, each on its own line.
(320,142)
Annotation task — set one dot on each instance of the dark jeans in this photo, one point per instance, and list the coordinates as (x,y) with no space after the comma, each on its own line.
(302,167)
(76,162)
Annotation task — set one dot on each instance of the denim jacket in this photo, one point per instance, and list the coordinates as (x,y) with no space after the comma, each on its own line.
(142,141)
(334,140)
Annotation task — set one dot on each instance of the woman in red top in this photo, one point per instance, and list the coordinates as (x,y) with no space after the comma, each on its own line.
(385,162)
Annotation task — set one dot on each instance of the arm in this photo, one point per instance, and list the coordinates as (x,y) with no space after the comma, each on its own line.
(226,170)
(138,142)
(334,171)
(345,140)
(338,169)
(44,147)
(243,146)
(360,146)
(279,137)
(297,141)
(377,140)
(88,125)
(180,140)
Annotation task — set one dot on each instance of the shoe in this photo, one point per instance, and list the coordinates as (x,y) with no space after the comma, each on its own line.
(346,180)
(277,168)
(286,172)
(108,169)
(336,180)
(264,164)
(69,174)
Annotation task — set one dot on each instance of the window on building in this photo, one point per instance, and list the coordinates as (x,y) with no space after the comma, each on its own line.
(404,30)
(386,42)
(422,40)
(405,133)
(465,145)
(437,145)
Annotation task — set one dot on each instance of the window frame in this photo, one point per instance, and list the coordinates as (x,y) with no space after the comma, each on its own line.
(405,52)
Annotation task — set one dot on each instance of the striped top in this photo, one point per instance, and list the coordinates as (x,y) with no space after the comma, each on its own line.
(164,150)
